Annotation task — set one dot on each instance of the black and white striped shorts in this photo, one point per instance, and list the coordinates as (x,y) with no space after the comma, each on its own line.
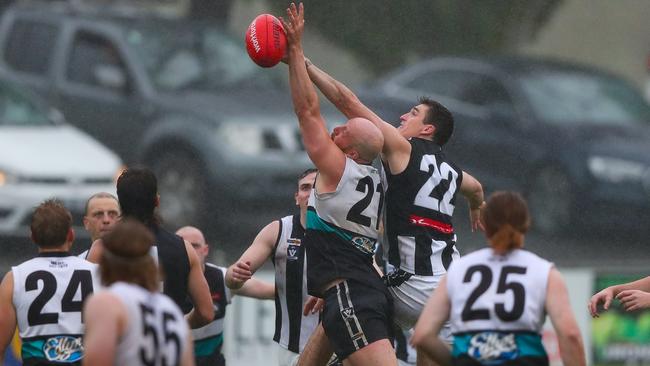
(355,315)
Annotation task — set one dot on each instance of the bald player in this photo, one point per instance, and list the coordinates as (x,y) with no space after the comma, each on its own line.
(208,340)
(342,220)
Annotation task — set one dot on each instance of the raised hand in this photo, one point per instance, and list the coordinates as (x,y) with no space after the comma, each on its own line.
(605,297)
(634,299)
(295,24)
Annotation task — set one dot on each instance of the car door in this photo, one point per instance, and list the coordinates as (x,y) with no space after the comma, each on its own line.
(96,91)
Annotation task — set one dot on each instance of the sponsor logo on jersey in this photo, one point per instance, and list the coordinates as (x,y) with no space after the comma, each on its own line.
(55,263)
(292,252)
(63,349)
(492,346)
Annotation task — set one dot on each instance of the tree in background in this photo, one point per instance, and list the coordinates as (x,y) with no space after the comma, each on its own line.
(386,33)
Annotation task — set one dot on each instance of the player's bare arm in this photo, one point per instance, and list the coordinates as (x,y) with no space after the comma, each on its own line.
(566,327)
(257,289)
(199,292)
(105,319)
(254,257)
(396,147)
(608,294)
(472,189)
(435,313)
(8,318)
(322,151)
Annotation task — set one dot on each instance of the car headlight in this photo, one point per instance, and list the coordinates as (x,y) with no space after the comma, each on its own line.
(616,170)
(7,177)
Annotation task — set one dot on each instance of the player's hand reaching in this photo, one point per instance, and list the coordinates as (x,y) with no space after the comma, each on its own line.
(295,25)
(605,297)
(475,219)
(634,299)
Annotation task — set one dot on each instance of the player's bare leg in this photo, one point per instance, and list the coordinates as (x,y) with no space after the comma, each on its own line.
(377,353)
(318,350)
(424,360)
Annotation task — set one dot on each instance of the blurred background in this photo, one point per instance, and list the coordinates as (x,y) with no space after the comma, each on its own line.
(550,99)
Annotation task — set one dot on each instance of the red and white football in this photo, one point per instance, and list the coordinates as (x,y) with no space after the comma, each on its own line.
(266,41)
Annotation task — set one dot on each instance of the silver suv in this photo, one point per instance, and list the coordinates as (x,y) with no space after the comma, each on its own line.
(180,97)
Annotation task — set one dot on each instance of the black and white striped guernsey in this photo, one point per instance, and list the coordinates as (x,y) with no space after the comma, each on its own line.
(292,329)
(420,202)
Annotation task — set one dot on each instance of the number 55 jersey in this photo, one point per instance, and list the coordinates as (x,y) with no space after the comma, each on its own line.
(48,296)
(498,307)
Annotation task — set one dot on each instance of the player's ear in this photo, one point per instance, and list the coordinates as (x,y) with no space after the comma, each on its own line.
(428,129)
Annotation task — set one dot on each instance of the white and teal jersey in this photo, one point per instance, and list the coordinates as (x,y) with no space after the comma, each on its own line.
(48,296)
(342,229)
(156,332)
(497,306)
(352,211)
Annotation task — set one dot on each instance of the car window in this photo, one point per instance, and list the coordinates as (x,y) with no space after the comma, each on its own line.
(193,55)
(95,61)
(485,91)
(33,59)
(443,82)
(16,109)
(571,97)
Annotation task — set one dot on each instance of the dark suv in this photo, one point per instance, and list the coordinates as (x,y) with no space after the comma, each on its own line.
(180,97)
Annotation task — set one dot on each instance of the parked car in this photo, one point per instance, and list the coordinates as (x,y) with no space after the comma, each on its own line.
(180,97)
(43,157)
(574,139)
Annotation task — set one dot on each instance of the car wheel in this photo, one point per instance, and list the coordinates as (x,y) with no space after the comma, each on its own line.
(550,201)
(182,188)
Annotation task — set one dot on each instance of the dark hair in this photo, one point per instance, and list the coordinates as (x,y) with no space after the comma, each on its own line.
(441,118)
(99,195)
(137,189)
(126,256)
(307,172)
(506,220)
(50,225)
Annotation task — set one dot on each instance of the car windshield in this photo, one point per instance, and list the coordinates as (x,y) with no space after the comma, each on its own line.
(17,109)
(566,97)
(193,55)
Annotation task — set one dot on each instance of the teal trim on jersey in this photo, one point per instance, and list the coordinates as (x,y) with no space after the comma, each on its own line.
(316,223)
(33,349)
(206,347)
(528,344)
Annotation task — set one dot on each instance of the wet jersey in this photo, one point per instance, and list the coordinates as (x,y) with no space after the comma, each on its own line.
(497,306)
(48,296)
(292,328)
(156,332)
(420,202)
(342,229)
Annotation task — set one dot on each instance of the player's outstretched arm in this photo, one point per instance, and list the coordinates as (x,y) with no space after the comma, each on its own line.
(199,292)
(558,308)
(435,313)
(349,104)
(608,294)
(105,320)
(322,151)
(257,289)
(472,189)
(254,257)
(8,317)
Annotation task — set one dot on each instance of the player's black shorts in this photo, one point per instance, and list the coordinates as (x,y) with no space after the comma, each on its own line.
(355,315)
